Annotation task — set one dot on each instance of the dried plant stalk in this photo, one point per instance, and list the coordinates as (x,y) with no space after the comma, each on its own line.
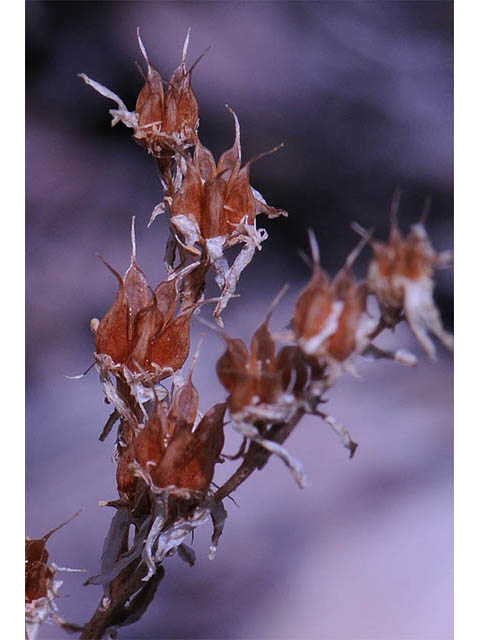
(166,449)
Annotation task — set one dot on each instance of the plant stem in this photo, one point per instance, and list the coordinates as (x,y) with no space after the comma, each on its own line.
(119,613)
(257,457)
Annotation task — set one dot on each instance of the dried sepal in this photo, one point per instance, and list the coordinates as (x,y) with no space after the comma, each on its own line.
(114,332)
(316,310)
(190,458)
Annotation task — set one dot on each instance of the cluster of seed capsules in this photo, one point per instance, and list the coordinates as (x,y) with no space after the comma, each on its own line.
(165,447)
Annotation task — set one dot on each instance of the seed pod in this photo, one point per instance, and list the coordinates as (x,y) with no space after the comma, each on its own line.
(262,365)
(232,371)
(171,346)
(401,277)
(111,336)
(190,458)
(189,199)
(114,332)
(152,441)
(344,341)
(183,411)
(204,162)
(166,296)
(292,369)
(38,575)
(148,322)
(150,101)
(163,121)
(316,310)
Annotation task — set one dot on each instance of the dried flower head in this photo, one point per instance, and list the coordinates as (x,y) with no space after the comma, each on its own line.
(175,448)
(331,323)
(401,277)
(215,207)
(140,340)
(41,585)
(163,120)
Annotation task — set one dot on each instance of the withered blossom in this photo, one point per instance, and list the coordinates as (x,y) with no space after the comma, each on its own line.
(267,389)
(165,469)
(257,379)
(140,340)
(214,208)
(401,277)
(331,322)
(41,585)
(174,448)
(164,119)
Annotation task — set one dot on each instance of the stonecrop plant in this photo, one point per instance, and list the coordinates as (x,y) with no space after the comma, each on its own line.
(167,446)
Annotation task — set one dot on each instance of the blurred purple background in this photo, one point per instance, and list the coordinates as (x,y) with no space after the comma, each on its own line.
(362,95)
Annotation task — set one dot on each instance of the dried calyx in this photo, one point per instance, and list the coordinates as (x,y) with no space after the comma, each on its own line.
(163,119)
(269,388)
(164,473)
(213,207)
(42,585)
(331,323)
(142,339)
(401,278)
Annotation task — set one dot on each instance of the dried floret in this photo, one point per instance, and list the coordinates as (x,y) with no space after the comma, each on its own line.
(316,310)
(140,340)
(215,207)
(190,458)
(401,277)
(163,120)
(252,377)
(331,323)
(41,585)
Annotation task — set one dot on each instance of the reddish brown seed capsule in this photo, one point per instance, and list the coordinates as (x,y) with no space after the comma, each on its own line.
(219,196)
(401,277)
(354,298)
(38,574)
(166,119)
(190,457)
